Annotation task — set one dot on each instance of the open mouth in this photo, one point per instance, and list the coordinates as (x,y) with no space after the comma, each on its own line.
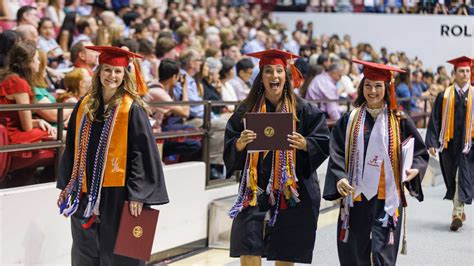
(275,85)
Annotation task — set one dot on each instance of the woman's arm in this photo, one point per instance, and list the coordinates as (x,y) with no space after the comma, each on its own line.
(26,120)
(51,115)
(182,111)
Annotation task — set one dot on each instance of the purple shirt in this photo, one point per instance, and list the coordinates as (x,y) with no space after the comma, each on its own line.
(323,87)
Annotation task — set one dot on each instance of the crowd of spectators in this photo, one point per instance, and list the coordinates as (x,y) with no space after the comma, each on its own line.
(190,53)
(442,7)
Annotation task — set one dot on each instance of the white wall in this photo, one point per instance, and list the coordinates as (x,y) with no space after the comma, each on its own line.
(33,232)
(417,35)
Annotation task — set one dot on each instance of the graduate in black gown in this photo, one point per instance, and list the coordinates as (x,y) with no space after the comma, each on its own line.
(111,157)
(364,169)
(455,152)
(291,206)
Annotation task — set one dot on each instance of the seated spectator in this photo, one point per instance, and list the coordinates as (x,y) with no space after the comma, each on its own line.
(191,63)
(240,82)
(170,118)
(212,86)
(43,96)
(27,15)
(184,35)
(345,87)
(427,81)
(28,33)
(103,36)
(77,83)
(403,89)
(314,70)
(115,32)
(87,28)
(15,88)
(66,32)
(84,58)
(225,75)
(8,39)
(323,87)
(149,63)
(47,41)
(55,11)
(165,48)
(232,51)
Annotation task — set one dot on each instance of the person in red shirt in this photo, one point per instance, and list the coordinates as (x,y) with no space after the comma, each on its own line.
(15,88)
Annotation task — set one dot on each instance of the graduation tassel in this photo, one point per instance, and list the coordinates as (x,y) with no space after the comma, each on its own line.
(404,241)
(391,238)
(86,224)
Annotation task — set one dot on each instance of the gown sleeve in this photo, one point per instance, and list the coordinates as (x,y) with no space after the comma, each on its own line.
(336,166)
(233,159)
(420,157)
(67,160)
(145,178)
(316,132)
(434,125)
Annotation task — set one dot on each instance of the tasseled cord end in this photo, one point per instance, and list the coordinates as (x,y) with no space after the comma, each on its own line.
(296,75)
(344,235)
(391,238)
(404,247)
(393,96)
(142,89)
(404,241)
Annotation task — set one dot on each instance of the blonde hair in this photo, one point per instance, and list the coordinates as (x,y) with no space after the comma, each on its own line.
(72,81)
(39,80)
(95,94)
(101,36)
(115,32)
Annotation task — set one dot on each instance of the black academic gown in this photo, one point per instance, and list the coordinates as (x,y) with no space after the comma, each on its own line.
(452,158)
(144,183)
(367,238)
(292,238)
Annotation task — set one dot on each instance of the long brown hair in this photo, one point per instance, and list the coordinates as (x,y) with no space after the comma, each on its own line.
(39,79)
(95,94)
(257,92)
(19,61)
(360,93)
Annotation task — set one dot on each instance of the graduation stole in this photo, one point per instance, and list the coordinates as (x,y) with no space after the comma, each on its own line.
(386,165)
(447,121)
(109,167)
(282,189)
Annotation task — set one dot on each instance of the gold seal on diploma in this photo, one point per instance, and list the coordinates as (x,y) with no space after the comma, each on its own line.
(137,231)
(269,132)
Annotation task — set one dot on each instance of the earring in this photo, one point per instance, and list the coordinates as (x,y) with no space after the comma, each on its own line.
(261,88)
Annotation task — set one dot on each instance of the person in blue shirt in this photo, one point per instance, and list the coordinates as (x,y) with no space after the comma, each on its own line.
(403,89)
(191,62)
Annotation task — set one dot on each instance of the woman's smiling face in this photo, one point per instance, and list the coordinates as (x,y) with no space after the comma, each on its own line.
(273,78)
(111,77)
(374,92)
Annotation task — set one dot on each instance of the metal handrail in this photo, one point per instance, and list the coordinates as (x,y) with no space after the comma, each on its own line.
(206,130)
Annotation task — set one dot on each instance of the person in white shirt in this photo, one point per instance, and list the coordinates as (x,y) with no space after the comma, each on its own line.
(241,81)
(225,75)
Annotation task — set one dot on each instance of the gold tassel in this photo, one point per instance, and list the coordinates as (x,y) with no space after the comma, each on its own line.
(393,100)
(142,89)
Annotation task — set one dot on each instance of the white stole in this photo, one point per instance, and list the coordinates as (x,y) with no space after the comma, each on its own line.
(376,157)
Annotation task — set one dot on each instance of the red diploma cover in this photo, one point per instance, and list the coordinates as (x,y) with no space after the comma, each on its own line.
(272,130)
(135,235)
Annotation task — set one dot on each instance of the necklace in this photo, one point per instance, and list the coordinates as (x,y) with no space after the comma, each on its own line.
(374,112)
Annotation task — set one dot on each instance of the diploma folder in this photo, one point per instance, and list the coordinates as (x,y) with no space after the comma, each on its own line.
(135,235)
(272,130)
(408,149)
